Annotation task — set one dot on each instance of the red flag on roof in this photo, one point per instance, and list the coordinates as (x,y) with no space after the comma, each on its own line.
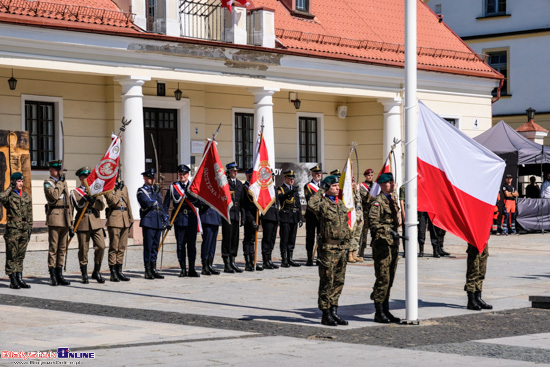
(103,178)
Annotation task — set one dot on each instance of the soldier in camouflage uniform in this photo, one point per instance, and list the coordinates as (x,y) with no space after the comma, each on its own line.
(18,228)
(475,274)
(384,221)
(333,244)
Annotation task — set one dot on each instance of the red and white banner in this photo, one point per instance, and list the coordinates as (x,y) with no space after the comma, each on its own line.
(227,4)
(387,168)
(103,177)
(184,198)
(458,179)
(346,193)
(262,185)
(210,183)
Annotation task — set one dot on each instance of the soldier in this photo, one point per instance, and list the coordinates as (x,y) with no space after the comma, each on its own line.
(270,222)
(312,224)
(119,221)
(335,236)
(186,222)
(153,220)
(230,231)
(210,220)
(58,220)
(475,274)
(384,221)
(290,217)
(250,211)
(89,227)
(336,173)
(18,228)
(358,228)
(366,197)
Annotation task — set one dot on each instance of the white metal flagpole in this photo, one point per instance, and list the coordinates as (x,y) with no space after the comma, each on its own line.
(411,133)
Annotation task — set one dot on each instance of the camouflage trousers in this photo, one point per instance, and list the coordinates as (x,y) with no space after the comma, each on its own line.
(385,264)
(476,268)
(356,236)
(16,247)
(118,240)
(332,261)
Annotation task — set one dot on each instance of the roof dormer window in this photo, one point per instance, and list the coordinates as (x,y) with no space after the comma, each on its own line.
(302,5)
(299,8)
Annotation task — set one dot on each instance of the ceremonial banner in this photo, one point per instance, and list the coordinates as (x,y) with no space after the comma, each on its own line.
(262,185)
(103,177)
(387,168)
(346,194)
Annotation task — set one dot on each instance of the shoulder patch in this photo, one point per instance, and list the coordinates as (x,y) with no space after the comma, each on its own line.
(376,204)
(47,185)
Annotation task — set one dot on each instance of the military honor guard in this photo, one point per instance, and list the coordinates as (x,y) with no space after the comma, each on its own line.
(249,212)
(89,226)
(290,217)
(230,231)
(153,220)
(312,223)
(186,221)
(58,220)
(475,275)
(211,221)
(270,223)
(18,228)
(357,233)
(119,221)
(366,198)
(335,236)
(384,222)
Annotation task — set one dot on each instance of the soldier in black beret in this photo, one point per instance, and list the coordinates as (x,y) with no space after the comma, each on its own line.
(290,217)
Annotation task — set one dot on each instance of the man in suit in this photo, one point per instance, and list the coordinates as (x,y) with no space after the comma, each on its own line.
(312,223)
(290,217)
(230,231)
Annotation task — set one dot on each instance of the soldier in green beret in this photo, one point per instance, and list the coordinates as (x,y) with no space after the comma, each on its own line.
(383,222)
(18,228)
(335,235)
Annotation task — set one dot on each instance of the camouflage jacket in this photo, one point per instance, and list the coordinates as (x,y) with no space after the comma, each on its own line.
(18,209)
(333,218)
(382,218)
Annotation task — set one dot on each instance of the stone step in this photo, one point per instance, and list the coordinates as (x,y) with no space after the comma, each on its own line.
(540,302)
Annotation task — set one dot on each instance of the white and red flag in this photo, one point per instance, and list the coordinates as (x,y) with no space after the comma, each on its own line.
(458,179)
(210,183)
(103,177)
(387,168)
(262,185)
(346,193)
(228,3)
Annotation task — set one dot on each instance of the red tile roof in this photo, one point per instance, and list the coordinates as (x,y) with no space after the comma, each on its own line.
(531,126)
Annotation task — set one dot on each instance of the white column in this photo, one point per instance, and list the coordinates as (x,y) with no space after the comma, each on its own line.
(392,130)
(133,143)
(263,110)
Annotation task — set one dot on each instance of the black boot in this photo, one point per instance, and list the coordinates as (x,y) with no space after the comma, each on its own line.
(13,282)
(120,274)
(284,260)
(227,266)
(380,316)
(154,271)
(472,303)
(436,251)
(183,272)
(213,271)
(114,275)
(386,309)
(442,252)
(421,252)
(84,272)
(292,262)
(192,272)
(258,266)
(53,277)
(274,266)
(233,265)
(59,276)
(327,318)
(19,277)
(266,261)
(205,270)
(148,274)
(249,266)
(96,274)
(309,261)
(336,317)
(479,301)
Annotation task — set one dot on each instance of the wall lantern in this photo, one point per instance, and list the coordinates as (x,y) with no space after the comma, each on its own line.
(178,93)
(12,82)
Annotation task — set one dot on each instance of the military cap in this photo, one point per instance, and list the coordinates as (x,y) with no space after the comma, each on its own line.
(336,172)
(509,176)
(16,176)
(83,171)
(55,164)
(330,180)
(316,169)
(249,171)
(289,173)
(231,166)
(368,171)
(385,177)
(149,173)
(184,168)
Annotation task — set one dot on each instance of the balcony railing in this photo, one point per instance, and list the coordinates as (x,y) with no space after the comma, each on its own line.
(202,19)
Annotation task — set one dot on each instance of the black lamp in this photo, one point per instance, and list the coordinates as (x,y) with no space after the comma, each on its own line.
(178,93)
(297,103)
(12,81)
(530,113)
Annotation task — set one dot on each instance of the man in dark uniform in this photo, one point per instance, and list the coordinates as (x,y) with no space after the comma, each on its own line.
(186,222)
(312,223)
(18,228)
(366,198)
(58,220)
(230,231)
(290,217)
(270,222)
(384,222)
(250,211)
(336,173)
(153,220)
(210,220)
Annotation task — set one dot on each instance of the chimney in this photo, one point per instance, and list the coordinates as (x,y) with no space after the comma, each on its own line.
(263,27)
(235,25)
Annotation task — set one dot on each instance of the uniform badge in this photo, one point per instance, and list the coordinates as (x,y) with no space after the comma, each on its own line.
(47,185)
(376,204)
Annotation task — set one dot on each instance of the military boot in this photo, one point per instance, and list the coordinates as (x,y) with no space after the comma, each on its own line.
(234,265)
(386,309)
(154,271)
(361,252)
(84,272)
(421,250)
(227,266)
(19,277)
(357,259)
(442,252)
(258,266)
(120,274)
(205,270)
(192,272)
(249,264)
(284,260)
(472,303)
(59,276)
(327,318)
(183,272)
(478,299)
(436,251)
(274,266)
(53,277)
(213,271)
(114,275)
(148,274)
(96,274)
(292,262)
(336,317)
(351,259)
(380,316)
(266,262)
(13,282)
(309,261)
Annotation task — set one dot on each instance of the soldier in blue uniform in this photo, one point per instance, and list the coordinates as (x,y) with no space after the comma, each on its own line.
(186,222)
(230,231)
(250,211)
(210,220)
(290,217)
(312,223)
(270,222)
(153,220)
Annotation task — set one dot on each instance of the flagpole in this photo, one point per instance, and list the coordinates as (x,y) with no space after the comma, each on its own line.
(411,133)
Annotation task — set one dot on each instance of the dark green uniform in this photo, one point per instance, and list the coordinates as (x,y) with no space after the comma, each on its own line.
(476,268)
(333,243)
(18,226)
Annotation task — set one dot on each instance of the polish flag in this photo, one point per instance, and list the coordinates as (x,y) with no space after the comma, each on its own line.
(103,178)
(346,194)
(458,179)
(387,168)
(262,185)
